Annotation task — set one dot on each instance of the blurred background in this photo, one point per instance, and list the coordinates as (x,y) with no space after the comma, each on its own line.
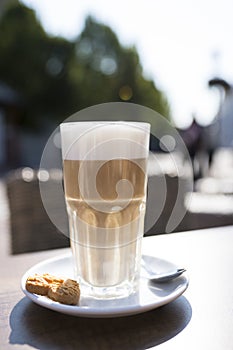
(57,58)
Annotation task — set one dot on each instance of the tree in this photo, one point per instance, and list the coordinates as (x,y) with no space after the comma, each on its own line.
(112,72)
(57,77)
(35,64)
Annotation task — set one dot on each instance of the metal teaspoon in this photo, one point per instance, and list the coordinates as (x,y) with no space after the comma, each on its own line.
(166,277)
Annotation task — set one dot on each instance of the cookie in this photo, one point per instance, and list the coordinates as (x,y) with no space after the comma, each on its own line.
(57,289)
(67,292)
(37,284)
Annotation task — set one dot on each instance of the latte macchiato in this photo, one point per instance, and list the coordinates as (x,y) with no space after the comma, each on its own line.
(106,200)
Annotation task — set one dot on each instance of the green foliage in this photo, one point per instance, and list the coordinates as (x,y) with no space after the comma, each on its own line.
(57,77)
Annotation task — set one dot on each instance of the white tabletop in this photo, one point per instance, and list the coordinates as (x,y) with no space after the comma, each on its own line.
(202,318)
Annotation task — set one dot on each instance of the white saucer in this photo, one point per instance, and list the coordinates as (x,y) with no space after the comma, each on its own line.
(148,297)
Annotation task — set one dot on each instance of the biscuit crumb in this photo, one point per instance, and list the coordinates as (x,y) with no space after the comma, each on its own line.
(60,290)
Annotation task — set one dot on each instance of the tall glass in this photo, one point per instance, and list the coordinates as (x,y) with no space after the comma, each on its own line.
(105,180)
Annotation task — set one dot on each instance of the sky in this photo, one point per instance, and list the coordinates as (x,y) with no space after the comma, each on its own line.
(182,44)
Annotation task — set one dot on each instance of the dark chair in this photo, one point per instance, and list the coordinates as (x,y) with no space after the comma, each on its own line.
(31,228)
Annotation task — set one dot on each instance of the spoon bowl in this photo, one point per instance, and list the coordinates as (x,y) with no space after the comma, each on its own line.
(166,277)
(160,277)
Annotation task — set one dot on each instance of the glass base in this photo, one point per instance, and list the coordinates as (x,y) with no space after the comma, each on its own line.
(122,290)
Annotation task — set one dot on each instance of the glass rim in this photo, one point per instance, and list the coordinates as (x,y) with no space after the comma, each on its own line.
(144,125)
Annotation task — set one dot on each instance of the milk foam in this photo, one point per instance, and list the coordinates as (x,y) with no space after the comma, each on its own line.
(104,140)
